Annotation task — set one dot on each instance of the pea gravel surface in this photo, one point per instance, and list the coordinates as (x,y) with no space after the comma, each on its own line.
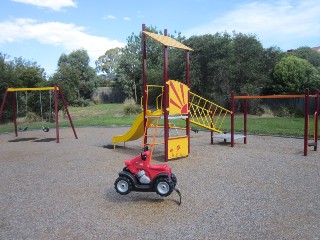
(265,189)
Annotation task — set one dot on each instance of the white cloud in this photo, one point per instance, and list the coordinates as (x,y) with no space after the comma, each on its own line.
(127,19)
(281,21)
(110,17)
(68,36)
(52,4)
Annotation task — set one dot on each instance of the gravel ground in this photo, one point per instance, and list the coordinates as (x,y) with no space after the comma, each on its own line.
(265,189)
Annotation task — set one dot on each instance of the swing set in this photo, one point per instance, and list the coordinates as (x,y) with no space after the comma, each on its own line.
(57,91)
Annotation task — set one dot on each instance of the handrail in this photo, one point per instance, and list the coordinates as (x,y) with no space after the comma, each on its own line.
(157,98)
(206,113)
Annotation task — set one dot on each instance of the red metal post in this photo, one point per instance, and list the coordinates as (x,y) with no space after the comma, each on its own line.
(188,84)
(67,111)
(232,119)
(3,102)
(211,124)
(56,113)
(316,120)
(165,99)
(306,121)
(14,113)
(245,113)
(144,81)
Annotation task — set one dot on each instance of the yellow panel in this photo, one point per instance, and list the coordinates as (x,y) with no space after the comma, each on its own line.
(167,41)
(178,98)
(178,147)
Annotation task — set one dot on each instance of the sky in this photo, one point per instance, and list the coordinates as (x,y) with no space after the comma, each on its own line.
(42,30)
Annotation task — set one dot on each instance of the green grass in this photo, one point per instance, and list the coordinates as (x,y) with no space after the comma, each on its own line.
(113,115)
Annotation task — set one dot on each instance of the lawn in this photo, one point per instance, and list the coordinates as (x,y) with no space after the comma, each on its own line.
(113,115)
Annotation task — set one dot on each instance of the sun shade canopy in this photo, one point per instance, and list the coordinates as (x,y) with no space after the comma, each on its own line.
(167,41)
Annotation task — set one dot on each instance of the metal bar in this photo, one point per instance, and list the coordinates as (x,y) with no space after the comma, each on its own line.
(14,114)
(211,125)
(30,89)
(165,99)
(269,96)
(188,84)
(306,121)
(3,102)
(68,114)
(56,113)
(245,113)
(144,80)
(232,118)
(316,120)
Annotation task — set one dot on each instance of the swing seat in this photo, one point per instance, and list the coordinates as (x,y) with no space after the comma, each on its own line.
(45,129)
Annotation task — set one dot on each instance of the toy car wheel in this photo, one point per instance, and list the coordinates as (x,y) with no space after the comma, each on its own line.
(174,179)
(123,185)
(164,186)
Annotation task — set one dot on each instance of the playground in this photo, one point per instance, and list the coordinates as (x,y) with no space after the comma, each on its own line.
(265,189)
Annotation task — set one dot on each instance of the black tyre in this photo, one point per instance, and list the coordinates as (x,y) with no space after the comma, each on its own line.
(174,179)
(164,187)
(123,185)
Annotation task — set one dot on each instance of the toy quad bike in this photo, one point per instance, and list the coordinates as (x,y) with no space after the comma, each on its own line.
(140,175)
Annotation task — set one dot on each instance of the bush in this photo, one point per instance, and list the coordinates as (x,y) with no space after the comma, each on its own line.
(32,117)
(288,112)
(130,107)
(81,102)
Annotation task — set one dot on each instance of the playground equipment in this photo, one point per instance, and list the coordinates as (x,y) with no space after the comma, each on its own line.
(306,96)
(140,175)
(175,102)
(137,129)
(57,92)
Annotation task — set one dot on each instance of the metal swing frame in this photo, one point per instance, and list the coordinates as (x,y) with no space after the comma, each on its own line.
(57,92)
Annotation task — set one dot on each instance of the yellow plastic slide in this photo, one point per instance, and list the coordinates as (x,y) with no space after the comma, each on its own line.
(136,131)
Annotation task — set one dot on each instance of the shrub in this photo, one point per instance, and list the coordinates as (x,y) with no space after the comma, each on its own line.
(32,117)
(288,112)
(130,107)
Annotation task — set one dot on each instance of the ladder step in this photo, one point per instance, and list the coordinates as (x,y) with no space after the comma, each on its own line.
(155,143)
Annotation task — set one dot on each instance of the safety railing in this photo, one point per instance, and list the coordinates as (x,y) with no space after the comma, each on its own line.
(206,113)
(155,92)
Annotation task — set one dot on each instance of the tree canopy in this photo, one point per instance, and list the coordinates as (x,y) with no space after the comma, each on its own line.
(220,63)
(77,79)
(292,75)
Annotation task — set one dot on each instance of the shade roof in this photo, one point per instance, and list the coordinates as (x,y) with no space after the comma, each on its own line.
(167,41)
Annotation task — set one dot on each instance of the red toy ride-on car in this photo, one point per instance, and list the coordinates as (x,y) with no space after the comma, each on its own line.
(140,175)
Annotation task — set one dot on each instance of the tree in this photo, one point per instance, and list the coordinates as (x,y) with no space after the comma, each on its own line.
(308,54)
(19,73)
(77,79)
(130,64)
(292,75)
(108,63)
(211,63)
(223,62)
